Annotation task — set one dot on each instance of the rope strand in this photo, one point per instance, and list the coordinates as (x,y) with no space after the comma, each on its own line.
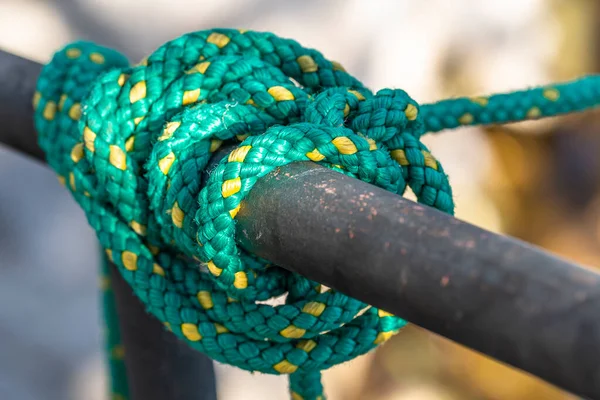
(535,103)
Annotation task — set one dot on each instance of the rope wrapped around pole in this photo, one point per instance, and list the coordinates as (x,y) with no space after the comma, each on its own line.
(131,143)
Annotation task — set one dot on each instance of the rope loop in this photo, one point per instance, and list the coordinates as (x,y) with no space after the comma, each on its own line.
(132,142)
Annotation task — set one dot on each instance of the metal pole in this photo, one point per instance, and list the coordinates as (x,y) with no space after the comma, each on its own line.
(17,84)
(159,366)
(492,293)
(495,294)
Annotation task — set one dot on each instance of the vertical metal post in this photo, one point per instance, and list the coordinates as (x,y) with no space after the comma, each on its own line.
(159,366)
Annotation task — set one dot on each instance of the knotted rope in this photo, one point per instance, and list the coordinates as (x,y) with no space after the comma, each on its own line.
(131,144)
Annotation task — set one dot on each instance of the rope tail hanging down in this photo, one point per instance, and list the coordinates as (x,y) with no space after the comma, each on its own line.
(131,143)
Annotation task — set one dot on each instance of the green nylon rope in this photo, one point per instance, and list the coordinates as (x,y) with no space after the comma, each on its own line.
(131,143)
(114,348)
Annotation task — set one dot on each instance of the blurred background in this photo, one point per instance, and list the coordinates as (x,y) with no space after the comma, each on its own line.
(538,181)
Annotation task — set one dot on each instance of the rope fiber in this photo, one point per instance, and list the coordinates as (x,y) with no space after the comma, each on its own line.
(131,142)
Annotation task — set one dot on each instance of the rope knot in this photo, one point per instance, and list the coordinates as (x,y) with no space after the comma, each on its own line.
(132,144)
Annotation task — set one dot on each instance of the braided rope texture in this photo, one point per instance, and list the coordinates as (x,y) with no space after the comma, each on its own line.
(115,351)
(131,142)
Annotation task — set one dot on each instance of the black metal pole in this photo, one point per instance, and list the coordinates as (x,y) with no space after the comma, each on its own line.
(158,365)
(495,294)
(492,293)
(18,79)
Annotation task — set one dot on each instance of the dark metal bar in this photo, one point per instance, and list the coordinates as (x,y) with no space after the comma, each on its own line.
(18,79)
(492,293)
(158,365)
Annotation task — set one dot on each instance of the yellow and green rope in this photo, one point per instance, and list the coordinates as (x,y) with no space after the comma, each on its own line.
(115,352)
(131,142)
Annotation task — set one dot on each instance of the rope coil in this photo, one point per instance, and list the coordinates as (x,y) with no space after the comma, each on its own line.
(131,144)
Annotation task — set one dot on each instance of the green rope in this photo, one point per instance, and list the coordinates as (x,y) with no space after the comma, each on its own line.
(131,143)
(114,348)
